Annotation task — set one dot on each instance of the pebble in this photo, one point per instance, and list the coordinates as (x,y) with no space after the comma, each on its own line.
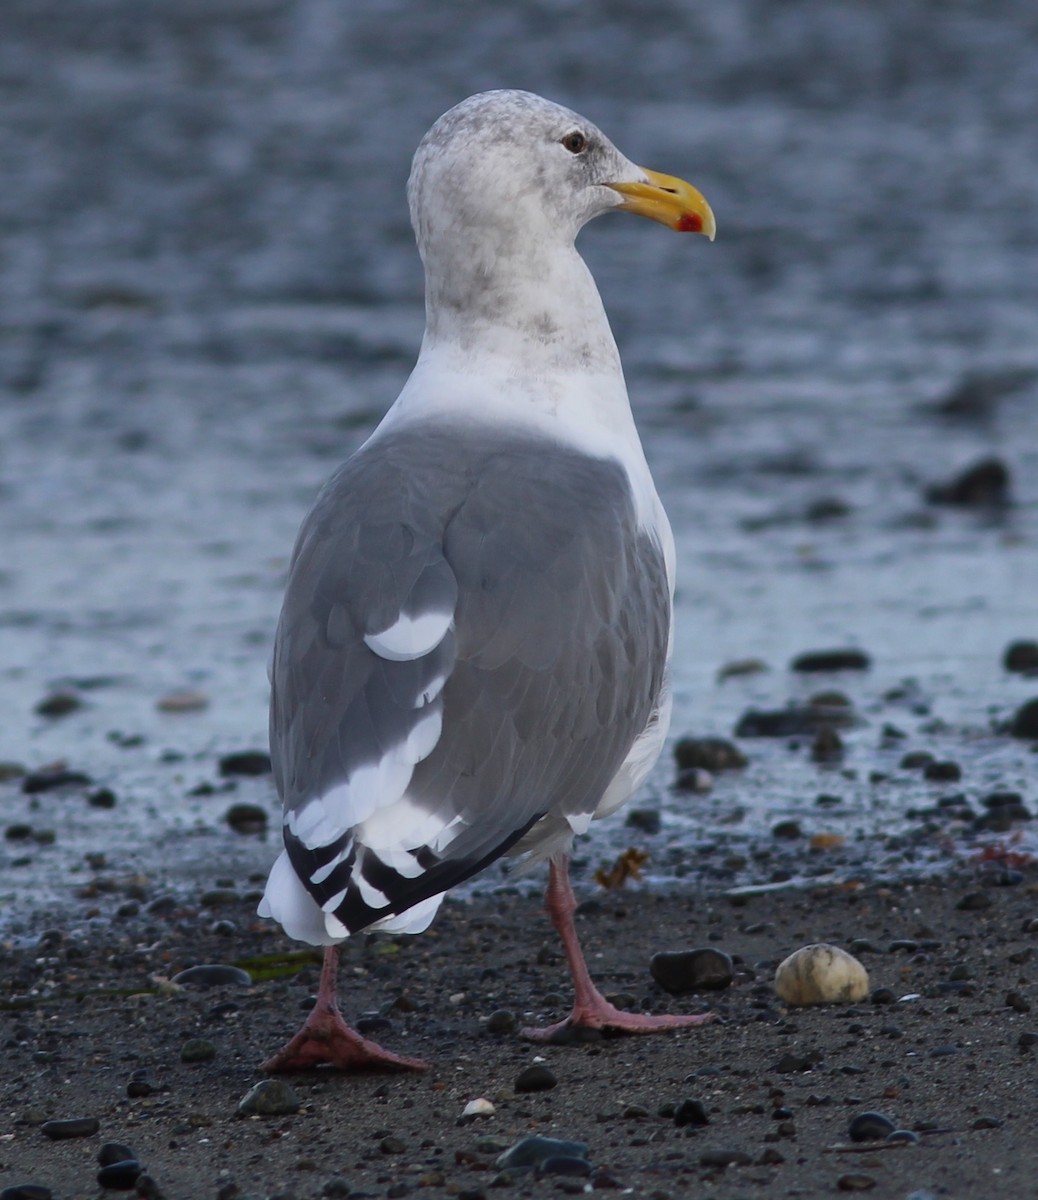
(831,660)
(1021,657)
(903,1137)
(247,818)
(246,762)
(915,760)
(986,1123)
(799,720)
(984,484)
(690,1112)
(114,1152)
(532,1151)
(270,1098)
(196,1050)
(695,779)
(337,1188)
(564,1164)
(76,1127)
(101,798)
(855,1183)
(140,1084)
(699,970)
(709,754)
(828,746)
(27,1191)
(974,902)
(821,974)
(502,1021)
(786,830)
(58,704)
(392,1145)
(46,781)
(182,701)
(1027,1039)
(724,1158)
(480,1107)
(536,1078)
(870,1127)
(1025,722)
(941,771)
(120,1176)
(648,820)
(213,975)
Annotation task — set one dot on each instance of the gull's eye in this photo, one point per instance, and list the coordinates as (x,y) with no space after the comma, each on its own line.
(575,142)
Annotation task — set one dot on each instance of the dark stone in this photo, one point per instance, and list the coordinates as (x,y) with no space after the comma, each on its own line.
(974,902)
(914,760)
(148,1189)
(648,820)
(690,1112)
(77,1127)
(942,772)
(790,1062)
(827,746)
(709,754)
(271,1098)
(114,1152)
(985,484)
(58,704)
(247,818)
(27,1191)
(978,393)
(208,975)
(101,798)
(905,1136)
(1018,1002)
(532,1151)
(944,1051)
(788,830)
(870,1127)
(537,1078)
(724,1158)
(698,970)
(46,781)
(246,762)
(986,1123)
(907,945)
(392,1145)
(370,1026)
(196,1050)
(120,1176)
(799,720)
(565,1164)
(1021,657)
(140,1084)
(1027,1039)
(337,1188)
(855,1183)
(1025,723)
(831,660)
(502,1021)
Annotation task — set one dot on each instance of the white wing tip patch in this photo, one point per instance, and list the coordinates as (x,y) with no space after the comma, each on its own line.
(410,637)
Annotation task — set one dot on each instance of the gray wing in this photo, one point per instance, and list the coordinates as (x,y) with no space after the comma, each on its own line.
(474,633)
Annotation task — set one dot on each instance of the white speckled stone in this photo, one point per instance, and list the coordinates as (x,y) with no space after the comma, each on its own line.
(821,974)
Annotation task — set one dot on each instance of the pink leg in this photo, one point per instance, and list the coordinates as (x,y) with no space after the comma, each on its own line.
(326,1038)
(591,1010)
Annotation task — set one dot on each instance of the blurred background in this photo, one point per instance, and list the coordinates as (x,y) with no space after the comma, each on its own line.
(209,294)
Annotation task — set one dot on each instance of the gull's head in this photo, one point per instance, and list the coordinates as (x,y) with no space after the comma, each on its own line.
(507,168)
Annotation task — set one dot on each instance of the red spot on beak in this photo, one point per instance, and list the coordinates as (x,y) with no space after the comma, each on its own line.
(690,223)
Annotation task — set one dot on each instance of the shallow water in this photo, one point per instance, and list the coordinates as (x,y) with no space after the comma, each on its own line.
(209,293)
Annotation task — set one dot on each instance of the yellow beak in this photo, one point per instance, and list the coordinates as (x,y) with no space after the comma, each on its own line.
(670,201)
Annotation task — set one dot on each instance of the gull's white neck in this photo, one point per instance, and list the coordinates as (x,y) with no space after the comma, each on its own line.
(525,345)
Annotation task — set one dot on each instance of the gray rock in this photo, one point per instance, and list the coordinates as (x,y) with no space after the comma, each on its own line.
(270,1098)
(213,975)
(699,970)
(75,1127)
(196,1050)
(532,1151)
(538,1078)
